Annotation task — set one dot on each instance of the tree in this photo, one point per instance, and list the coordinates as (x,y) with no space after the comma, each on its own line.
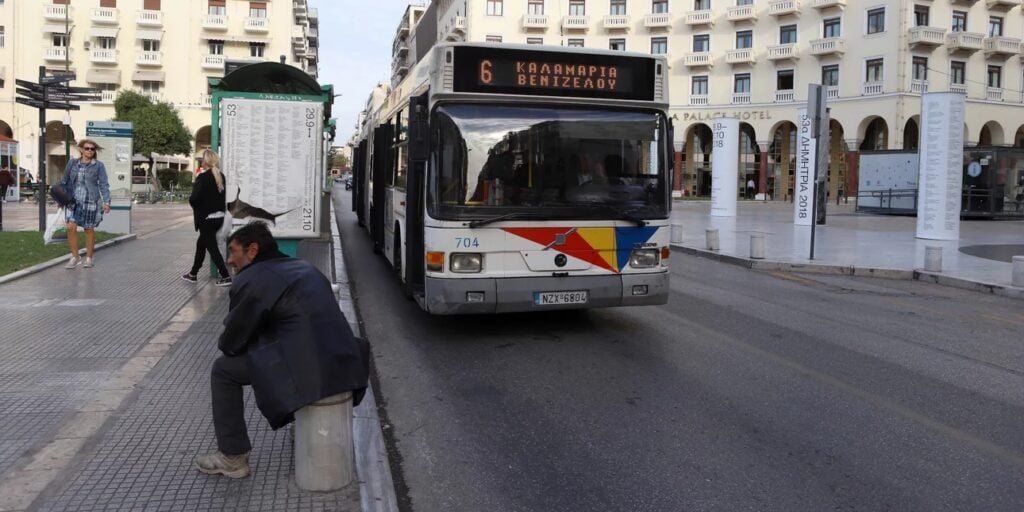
(157,127)
(338,159)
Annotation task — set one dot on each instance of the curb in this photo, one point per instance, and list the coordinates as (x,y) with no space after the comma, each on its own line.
(850,270)
(61,259)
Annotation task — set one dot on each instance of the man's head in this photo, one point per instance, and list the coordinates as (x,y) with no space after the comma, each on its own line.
(249,242)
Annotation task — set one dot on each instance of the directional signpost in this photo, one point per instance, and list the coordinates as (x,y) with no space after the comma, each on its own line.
(54,93)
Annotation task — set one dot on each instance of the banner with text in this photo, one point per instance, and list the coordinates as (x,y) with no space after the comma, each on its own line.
(724,166)
(941,178)
(803,181)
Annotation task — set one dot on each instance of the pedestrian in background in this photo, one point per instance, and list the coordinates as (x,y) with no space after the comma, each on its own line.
(6,180)
(85,181)
(207,201)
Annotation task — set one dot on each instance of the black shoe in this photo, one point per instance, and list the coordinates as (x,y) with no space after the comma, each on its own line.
(224,281)
(189,277)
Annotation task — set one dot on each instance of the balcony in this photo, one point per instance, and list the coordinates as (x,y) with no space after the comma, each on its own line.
(535,21)
(965,41)
(149,59)
(740,56)
(149,18)
(738,13)
(107,97)
(658,20)
(458,29)
(994,94)
(55,12)
(699,100)
(400,49)
(830,46)
(828,4)
(104,16)
(698,59)
(783,7)
(257,25)
(574,22)
(616,22)
(1002,46)
(872,88)
(740,98)
(215,22)
(103,56)
(206,101)
(960,88)
(927,36)
(785,96)
(702,17)
(213,62)
(55,53)
(1002,5)
(786,51)
(311,52)
(918,86)
(832,92)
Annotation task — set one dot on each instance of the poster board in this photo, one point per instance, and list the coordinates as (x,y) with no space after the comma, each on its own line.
(271,153)
(116,140)
(725,166)
(806,159)
(941,176)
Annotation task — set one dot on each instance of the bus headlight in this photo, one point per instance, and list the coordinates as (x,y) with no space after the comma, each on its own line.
(643,258)
(466,262)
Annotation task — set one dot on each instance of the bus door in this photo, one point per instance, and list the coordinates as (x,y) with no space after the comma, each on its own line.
(381,147)
(419,150)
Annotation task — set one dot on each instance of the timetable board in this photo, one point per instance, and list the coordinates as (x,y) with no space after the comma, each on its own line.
(271,156)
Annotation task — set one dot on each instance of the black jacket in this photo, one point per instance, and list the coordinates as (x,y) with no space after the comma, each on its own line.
(284,318)
(205,198)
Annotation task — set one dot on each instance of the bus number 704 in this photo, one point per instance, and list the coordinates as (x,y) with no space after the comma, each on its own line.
(466,242)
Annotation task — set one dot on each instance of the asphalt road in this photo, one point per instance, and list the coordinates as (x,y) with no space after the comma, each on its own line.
(748,391)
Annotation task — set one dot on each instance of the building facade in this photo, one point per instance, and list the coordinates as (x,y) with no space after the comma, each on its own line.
(165,49)
(754,59)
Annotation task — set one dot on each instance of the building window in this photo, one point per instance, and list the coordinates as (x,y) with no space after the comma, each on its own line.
(995,77)
(256,50)
(921,15)
(495,8)
(920,69)
(995,26)
(151,5)
(257,9)
(617,44)
(106,43)
(217,7)
(151,87)
(701,5)
(741,83)
(618,7)
(216,47)
(535,7)
(787,34)
(577,8)
(744,39)
(959,22)
(659,6)
(534,40)
(873,70)
(832,27)
(492,39)
(830,75)
(103,3)
(701,43)
(150,45)
(784,80)
(575,43)
(744,2)
(876,20)
(659,45)
(699,86)
(59,40)
(957,72)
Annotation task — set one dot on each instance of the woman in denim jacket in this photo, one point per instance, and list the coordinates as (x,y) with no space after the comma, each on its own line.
(85,179)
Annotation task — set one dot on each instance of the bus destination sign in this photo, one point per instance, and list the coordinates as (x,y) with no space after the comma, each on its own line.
(540,73)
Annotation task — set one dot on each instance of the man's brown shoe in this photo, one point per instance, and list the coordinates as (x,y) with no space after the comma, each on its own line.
(231,466)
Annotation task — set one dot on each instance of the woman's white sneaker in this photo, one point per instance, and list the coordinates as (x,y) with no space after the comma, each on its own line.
(88,262)
(73,262)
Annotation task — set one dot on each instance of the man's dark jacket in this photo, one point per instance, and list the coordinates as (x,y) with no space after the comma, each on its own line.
(284,319)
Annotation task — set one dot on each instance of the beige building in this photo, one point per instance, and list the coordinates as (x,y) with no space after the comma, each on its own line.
(753,59)
(166,49)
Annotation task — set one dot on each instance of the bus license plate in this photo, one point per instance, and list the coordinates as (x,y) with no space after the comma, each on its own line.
(559,298)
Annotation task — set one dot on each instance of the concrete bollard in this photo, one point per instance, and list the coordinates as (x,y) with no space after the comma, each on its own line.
(712,239)
(1018,271)
(677,234)
(757,246)
(933,258)
(324,453)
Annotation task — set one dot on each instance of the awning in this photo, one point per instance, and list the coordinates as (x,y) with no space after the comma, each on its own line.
(103,76)
(148,76)
(236,39)
(154,35)
(55,28)
(103,32)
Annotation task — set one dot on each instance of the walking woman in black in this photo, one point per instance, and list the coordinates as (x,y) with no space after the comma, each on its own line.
(207,200)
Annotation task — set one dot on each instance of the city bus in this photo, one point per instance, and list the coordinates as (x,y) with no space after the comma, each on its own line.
(506,178)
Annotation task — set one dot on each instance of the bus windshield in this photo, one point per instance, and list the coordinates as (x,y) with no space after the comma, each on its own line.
(548,162)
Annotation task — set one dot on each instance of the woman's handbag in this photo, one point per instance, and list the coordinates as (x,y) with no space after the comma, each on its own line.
(59,195)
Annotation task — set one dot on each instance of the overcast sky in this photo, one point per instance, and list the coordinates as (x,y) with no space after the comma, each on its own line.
(355,51)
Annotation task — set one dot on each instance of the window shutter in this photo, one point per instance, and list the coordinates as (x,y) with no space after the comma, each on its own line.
(151,5)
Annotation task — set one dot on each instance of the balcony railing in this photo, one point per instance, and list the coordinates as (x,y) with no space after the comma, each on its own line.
(786,51)
(741,13)
(215,22)
(104,56)
(701,17)
(658,20)
(1002,45)
(258,25)
(150,18)
(918,86)
(535,21)
(783,7)
(107,97)
(213,62)
(104,15)
(832,92)
(616,22)
(927,36)
(994,94)
(698,59)
(458,26)
(699,100)
(740,56)
(785,96)
(872,88)
(575,22)
(965,41)
(740,98)
(55,53)
(57,12)
(206,101)
(149,59)
(829,46)
(960,88)
(828,4)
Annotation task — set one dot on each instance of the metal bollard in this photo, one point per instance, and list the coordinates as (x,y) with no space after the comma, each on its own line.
(712,239)
(677,233)
(1018,271)
(933,258)
(757,246)
(324,452)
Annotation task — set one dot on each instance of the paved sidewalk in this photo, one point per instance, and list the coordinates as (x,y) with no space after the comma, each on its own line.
(146,218)
(858,243)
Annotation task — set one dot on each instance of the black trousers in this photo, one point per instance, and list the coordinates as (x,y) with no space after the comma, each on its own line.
(207,243)
(227,377)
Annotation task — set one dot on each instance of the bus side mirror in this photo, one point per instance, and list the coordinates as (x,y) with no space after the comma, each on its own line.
(419,139)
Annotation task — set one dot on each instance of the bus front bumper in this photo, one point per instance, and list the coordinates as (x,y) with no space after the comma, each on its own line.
(507,295)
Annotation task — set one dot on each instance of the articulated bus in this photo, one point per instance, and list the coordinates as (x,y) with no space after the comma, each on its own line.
(499,178)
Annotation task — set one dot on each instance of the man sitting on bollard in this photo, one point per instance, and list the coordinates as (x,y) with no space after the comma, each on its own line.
(286,337)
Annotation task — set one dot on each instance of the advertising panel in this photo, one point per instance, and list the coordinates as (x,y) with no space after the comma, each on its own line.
(942,157)
(724,166)
(115,139)
(806,159)
(9,162)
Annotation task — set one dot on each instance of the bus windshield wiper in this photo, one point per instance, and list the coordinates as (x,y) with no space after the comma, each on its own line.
(498,218)
(616,213)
